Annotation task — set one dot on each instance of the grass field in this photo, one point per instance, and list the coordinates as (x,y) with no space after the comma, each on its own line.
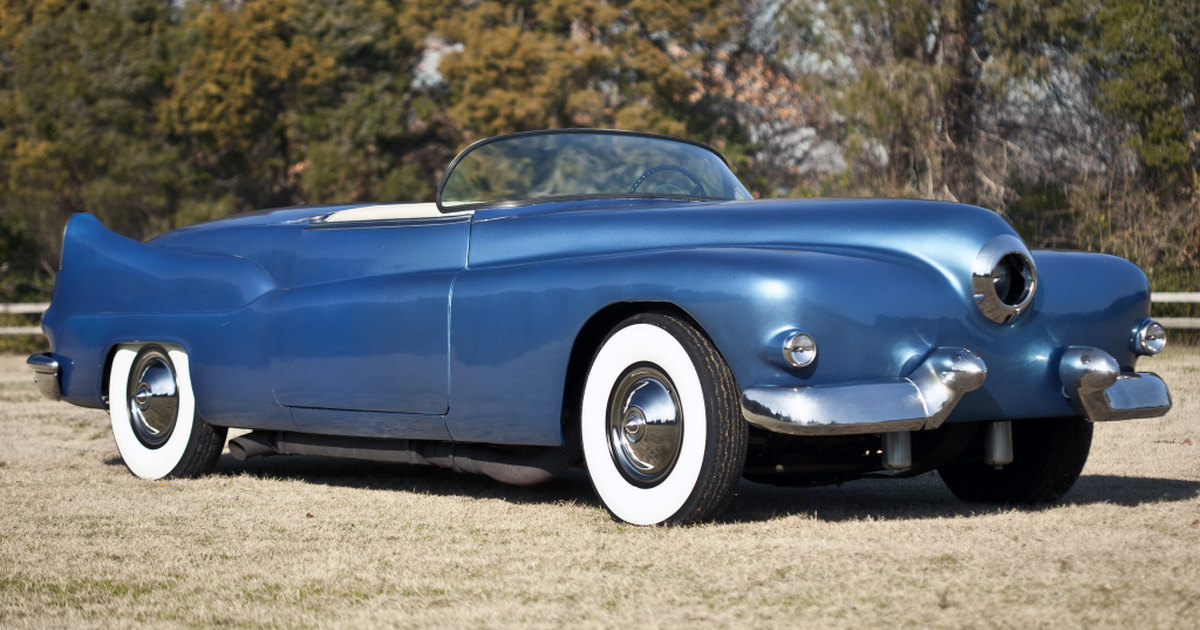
(303,542)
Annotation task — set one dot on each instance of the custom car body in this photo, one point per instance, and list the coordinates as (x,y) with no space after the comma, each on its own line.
(613,299)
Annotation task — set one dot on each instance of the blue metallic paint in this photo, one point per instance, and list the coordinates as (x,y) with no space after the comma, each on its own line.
(292,325)
(365,322)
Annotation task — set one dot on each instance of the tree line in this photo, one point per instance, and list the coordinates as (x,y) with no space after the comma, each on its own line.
(1077,119)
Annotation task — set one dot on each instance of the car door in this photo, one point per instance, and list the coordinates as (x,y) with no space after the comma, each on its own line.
(364,323)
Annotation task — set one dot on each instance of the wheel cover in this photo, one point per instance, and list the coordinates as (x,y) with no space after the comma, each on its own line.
(153,399)
(645,425)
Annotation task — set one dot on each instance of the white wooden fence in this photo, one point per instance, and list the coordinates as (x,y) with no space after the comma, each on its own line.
(37,308)
(1177,298)
(34,308)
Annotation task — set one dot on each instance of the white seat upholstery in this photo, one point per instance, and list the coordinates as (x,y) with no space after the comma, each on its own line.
(386,212)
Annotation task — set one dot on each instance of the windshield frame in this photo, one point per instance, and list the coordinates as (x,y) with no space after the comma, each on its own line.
(461,206)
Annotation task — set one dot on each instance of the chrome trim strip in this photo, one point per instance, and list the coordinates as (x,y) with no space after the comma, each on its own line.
(45,374)
(923,400)
(1094,384)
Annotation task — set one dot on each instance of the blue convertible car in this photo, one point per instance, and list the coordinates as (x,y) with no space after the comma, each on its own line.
(617,300)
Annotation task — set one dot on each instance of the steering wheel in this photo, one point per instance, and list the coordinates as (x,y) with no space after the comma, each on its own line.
(699,190)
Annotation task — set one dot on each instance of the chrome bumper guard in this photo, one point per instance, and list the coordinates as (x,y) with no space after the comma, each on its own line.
(1093,382)
(45,374)
(920,401)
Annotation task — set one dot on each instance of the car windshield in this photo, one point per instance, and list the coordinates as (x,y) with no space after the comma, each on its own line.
(586,164)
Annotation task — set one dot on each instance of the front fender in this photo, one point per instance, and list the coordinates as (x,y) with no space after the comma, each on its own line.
(513,327)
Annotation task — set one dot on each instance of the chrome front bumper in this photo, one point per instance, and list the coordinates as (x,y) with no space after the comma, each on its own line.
(921,401)
(45,374)
(1097,388)
(1092,382)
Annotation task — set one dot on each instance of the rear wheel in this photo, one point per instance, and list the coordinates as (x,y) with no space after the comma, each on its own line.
(1048,456)
(662,433)
(153,413)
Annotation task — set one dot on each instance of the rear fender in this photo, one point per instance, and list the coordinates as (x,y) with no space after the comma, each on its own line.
(106,273)
(112,289)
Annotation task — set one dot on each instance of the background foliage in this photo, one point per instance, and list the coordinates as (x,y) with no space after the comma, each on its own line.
(1077,119)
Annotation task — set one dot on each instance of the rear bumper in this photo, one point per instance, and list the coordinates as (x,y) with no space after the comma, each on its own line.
(46,373)
(1091,382)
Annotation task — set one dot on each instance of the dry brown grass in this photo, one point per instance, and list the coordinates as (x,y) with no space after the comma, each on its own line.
(319,543)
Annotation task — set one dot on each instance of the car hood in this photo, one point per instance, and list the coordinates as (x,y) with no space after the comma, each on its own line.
(945,236)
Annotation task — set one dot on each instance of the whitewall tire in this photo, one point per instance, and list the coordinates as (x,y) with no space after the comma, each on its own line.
(153,412)
(662,434)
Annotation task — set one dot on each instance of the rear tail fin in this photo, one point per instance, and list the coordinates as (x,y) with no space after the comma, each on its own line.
(106,273)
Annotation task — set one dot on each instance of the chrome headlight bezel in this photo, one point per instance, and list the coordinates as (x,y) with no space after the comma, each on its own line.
(1149,337)
(1003,279)
(799,349)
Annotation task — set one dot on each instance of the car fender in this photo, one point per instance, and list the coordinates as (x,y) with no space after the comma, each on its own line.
(112,289)
(515,327)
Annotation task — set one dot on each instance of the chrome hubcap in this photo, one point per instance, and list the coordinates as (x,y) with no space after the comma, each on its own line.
(645,425)
(153,398)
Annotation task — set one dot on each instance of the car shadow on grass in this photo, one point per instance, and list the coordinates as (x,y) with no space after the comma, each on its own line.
(570,486)
(925,497)
(922,497)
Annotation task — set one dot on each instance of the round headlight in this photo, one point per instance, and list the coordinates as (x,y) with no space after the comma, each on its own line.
(1003,279)
(799,349)
(1149,337)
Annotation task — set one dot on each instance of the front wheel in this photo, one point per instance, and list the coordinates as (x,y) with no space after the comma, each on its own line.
(153,412)
(1048,456)
(662,433)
